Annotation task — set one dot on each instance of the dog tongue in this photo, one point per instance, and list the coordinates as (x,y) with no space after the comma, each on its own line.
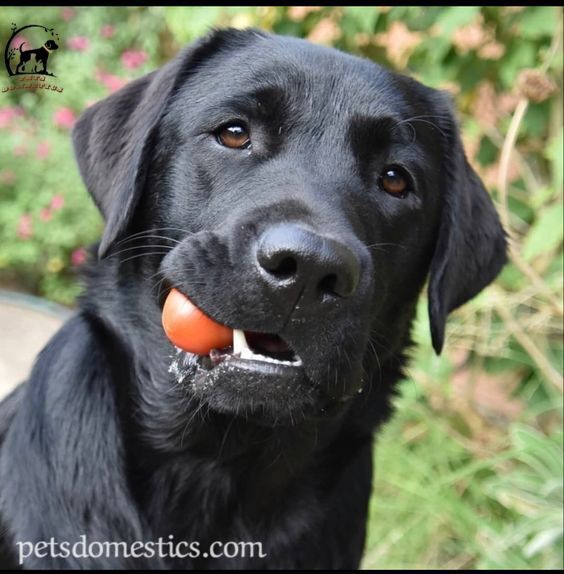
(190,329)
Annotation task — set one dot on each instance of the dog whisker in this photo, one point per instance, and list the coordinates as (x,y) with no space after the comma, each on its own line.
(381,245)
(424,119)
(139,255)
(153,230)
(148,246)
(375,354)
(151,236)
(224,440)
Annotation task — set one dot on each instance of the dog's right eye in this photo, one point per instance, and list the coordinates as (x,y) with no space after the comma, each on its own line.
(234,136)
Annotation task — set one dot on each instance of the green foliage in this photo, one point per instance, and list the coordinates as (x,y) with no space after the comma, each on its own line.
(466,478)
(546,233)
(439,504)
(530,491)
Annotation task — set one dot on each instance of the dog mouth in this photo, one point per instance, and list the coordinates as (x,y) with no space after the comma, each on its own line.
(257,347)
(259,376)
(264,353)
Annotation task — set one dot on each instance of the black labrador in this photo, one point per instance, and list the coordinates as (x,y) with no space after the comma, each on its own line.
(300,196)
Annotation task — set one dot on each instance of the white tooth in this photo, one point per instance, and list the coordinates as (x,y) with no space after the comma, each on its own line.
(246,353)
(239,342)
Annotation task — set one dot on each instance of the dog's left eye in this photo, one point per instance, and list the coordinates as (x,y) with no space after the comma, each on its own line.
(395,181)
(234,136)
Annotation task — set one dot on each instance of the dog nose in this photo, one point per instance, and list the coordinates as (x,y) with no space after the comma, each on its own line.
(294,260)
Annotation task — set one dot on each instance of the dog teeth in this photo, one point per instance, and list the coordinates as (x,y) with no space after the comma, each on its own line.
(239,342)
(242,349)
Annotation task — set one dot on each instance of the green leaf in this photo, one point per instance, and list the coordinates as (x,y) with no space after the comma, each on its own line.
(542,540)
(555,153)
(539,21)
(363,17)
(546,234)
(454,17)
(188,23)
(519,55)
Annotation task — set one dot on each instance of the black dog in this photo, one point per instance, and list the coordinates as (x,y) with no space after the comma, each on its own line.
(41,56)
(299,195)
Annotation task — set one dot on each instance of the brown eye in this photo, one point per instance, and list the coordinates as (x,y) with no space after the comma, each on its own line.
(394,181)
(234,136)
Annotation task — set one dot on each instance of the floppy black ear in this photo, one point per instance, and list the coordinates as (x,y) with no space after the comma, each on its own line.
(113,138)
(471,246)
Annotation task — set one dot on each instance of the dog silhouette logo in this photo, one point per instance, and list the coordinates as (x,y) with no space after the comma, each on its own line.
(30,49)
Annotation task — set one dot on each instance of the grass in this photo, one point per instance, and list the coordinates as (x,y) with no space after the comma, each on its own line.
(457,488)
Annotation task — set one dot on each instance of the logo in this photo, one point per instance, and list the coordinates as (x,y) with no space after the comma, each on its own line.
(28,57)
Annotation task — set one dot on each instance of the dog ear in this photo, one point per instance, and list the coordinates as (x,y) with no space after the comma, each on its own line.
(113,138)
(471,245)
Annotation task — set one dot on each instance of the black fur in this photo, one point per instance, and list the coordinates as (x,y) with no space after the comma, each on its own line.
(102,441)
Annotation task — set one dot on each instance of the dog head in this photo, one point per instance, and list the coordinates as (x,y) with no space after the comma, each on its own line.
(306,196)
(51,45)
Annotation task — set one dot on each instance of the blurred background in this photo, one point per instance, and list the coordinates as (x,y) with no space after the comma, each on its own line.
(469,473)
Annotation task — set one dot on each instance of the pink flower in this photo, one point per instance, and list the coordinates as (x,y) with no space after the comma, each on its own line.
(64,118)
(7,177)
(57,202)
(45,214)
(110,81)
(107,31)
(25,230)
(68,13)
(78,43)
(132,59)
(20,150)
(78,256)
(5,117)
(43,149)
(8,114)
(113,83)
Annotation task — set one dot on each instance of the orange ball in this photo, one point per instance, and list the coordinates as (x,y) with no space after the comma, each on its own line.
(190,329)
